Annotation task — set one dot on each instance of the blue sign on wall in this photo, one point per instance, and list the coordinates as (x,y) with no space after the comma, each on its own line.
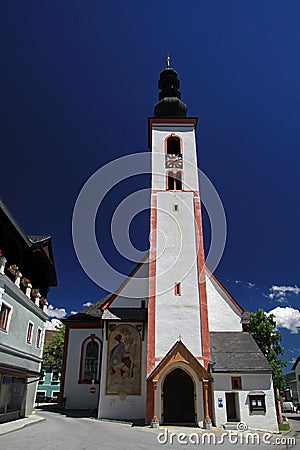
(220,402)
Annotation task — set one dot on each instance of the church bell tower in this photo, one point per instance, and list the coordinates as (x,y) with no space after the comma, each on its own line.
(177,310)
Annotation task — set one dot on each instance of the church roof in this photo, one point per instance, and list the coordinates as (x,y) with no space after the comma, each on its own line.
(96,311)
(295,363)
(236,352)
(35,239)
(92,312)
(138,314)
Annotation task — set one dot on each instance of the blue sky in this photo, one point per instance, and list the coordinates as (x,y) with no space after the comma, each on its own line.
(78,82)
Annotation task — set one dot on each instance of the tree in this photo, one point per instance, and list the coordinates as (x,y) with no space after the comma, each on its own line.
(53,350)
(263,329)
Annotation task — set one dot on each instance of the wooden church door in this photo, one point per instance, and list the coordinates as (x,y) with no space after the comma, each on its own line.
(178,398)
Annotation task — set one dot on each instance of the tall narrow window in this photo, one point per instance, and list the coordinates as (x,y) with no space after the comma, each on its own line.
(91,361)
(4,316)
(173,146)
(177,289)
(38,337)
(55,377)
(42,377)
(170,181)
(178,181)
(29,333)
(174,181)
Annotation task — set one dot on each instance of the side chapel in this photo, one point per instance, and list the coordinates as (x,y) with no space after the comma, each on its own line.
(181,353)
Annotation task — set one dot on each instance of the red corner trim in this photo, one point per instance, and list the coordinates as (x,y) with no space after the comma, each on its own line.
(202,285)
(152,288)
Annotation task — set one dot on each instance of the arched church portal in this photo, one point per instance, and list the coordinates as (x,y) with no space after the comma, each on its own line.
(178,398)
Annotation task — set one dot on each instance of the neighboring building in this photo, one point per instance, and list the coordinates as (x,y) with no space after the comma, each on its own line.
(171,344)
(49,384)
(26,262)
(291,392)
(296,368)
(49,387)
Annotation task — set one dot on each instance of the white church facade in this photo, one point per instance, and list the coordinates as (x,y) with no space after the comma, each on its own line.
(180,353)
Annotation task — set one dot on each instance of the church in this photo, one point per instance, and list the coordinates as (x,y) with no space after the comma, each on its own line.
(179,353)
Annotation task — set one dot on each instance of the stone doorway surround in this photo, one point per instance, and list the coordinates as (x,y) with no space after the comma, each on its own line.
(179,357)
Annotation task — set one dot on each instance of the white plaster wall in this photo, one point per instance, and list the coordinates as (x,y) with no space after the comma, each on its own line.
(30,395)
(198,389)
(222,314)
(187,132)
(133,406)
(176,261)
(250,382)
(78,395)
(136,289)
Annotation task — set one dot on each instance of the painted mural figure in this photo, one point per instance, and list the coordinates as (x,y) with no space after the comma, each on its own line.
(119,359)
(123,373)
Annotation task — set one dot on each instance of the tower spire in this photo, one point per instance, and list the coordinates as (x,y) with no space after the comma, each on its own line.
(170,104)
(168,60)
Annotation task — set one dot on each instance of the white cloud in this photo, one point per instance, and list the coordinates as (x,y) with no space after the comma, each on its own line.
(250,285)
(87,304)
(73,312)
(280,293)
(282,300)
(52,324)
(237,281)
(59,313)
(288,318)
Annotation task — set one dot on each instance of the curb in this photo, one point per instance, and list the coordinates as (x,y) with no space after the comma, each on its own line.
(18,424)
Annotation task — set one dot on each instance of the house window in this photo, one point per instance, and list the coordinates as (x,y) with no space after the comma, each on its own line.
(175,208)
(42,377)
(40,396)
(38,338)
(236,382)
(257,404)
(55,395)
(298,377)
(29,333)
(55,377)
(177,289)
(4,316)
(173,145)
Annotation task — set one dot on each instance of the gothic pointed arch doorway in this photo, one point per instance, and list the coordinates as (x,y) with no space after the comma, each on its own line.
(178,398)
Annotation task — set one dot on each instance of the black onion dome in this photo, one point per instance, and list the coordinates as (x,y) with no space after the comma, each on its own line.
(170,104)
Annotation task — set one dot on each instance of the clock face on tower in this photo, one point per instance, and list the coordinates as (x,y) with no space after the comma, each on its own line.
(174,161)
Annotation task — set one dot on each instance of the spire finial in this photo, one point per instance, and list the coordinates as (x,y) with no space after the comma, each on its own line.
(168,60)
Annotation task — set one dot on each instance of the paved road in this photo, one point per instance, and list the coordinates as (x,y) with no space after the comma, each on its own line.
(61,432)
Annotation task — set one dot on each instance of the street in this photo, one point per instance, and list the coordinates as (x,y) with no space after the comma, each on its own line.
(58,432)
